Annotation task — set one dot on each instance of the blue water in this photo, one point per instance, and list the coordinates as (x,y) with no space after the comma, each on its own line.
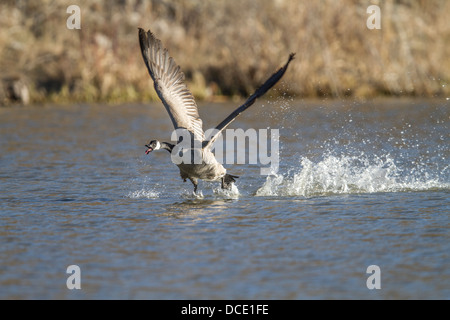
(359,184)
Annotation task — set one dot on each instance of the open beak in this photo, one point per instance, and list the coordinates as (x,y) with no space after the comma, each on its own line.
(150,149)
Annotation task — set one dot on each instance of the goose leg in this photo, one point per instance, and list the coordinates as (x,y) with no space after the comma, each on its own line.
(195,183)
(223,183)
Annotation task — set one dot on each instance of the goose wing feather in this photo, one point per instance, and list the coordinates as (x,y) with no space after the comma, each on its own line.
(250,101)
(170,86)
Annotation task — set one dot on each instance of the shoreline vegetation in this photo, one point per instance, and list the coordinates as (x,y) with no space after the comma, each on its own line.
(225,48)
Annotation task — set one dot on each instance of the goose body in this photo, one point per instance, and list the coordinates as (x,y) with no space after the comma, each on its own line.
(179,102)
(209,171)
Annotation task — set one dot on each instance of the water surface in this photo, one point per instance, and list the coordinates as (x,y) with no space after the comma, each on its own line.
(359,184)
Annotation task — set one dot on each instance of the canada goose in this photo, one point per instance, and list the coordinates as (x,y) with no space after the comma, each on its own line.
(180,104)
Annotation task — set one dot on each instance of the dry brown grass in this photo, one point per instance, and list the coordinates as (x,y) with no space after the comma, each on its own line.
(227,47)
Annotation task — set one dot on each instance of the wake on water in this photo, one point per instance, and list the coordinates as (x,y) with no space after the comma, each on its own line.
(349,175)
(407,160)
(332,175)
(145,193)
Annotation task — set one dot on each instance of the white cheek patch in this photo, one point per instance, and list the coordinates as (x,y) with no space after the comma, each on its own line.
(158,145)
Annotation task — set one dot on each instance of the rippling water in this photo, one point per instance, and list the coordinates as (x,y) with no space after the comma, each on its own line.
(359,184)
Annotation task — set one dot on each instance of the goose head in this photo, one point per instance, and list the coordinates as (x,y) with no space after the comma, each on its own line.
(153,145)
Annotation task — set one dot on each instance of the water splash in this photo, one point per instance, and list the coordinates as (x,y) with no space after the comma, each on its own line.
(218,192)
(143,193)
(349,175)
(192,195)
(233,193)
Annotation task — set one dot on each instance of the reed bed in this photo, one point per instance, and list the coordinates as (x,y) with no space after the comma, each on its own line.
(227,48)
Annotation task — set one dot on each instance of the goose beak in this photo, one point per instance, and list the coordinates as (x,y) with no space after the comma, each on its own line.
(150,149)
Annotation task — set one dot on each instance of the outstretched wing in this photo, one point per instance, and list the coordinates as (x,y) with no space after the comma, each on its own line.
(169,85)
(251,100)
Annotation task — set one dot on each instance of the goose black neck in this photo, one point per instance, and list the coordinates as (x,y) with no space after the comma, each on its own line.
(167,146)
